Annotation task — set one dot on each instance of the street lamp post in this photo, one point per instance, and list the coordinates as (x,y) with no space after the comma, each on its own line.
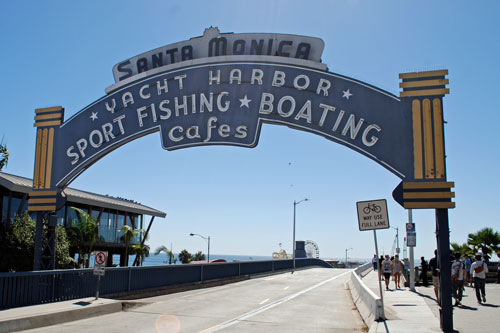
(207,239)
(346,256)
(397,239)
(295,203)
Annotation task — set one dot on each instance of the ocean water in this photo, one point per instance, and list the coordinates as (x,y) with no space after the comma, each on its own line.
(162,258)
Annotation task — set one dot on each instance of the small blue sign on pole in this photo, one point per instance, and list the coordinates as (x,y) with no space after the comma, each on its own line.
(411,239)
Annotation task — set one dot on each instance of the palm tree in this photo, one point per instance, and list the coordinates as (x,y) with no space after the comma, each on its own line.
(142,251)
(199,256)
(83,235)
(463,249)
(485,240)
(127,235)
(185,256)
(169,253)
(4,153)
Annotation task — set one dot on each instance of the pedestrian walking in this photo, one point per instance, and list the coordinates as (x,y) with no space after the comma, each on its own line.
(498,271)
(423,274)
(479,270)
(457,278)
(386,270)
(380,260)
(396,269)
(374,262)
(434,267)
(468,277)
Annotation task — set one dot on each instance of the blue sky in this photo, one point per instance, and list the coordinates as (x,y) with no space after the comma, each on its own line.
(62,53)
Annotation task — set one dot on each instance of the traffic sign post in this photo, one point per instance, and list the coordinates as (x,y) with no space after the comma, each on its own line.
(372,215)
(410,227)
(99,264)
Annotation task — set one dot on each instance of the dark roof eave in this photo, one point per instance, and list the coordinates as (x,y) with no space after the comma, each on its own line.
(24,185)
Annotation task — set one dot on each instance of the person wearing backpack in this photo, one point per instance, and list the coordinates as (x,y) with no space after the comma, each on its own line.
(479,270)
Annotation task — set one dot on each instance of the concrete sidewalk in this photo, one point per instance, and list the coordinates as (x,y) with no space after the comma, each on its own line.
(470,317)
(28,317)
(405,311)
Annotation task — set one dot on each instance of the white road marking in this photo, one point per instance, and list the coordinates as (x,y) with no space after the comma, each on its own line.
(264,301)
(286,287)
(217,288)
(252,313)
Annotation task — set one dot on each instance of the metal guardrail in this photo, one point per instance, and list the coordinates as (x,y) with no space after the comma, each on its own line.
(29,288)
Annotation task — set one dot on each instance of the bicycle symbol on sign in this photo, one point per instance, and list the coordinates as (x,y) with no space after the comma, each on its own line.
(372,208)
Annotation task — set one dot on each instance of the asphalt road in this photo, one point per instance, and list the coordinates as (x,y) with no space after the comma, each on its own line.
(311,300)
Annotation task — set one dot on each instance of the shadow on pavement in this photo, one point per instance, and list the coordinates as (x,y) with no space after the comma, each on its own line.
(425,296)
(466,307)
(490,305)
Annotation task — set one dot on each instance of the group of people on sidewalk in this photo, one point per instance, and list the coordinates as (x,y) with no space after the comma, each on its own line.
(463,273)
(466,273)
(390,267)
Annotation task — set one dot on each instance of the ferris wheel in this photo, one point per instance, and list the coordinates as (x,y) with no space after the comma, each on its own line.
(312,249)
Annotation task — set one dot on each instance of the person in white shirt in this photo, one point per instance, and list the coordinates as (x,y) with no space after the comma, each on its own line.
(479,270)
(386,270)
(457,278)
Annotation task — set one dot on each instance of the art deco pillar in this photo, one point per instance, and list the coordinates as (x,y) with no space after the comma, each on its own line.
(43,199)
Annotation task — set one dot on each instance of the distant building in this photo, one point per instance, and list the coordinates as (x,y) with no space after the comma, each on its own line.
(113,213)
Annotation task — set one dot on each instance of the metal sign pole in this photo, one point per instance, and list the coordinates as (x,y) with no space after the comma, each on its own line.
(412,259)
(443,240)
(379,273)
(97,287)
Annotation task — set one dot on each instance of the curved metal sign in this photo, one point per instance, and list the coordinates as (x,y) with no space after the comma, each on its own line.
(224,100)
(227,103)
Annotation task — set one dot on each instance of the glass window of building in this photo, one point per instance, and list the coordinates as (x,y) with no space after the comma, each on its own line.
(104,219)
(120,221)
(5,208)
(112,226)
(130,220)
(95,213)
(15,203)
(71,217)
(61,214)
(106,233)
(112,219)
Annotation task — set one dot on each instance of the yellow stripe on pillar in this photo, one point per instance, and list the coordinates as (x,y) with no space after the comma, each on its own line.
(417,139)
(43,159)
(438,137)
(50,147)
(428,146)
(37,158)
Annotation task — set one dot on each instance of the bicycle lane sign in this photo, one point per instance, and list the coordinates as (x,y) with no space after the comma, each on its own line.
(372,214)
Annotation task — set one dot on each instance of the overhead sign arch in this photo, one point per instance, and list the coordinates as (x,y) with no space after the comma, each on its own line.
(218,89)
(226,104)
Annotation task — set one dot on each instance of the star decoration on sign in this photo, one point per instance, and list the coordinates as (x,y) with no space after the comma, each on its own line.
(244,102)
(93,116)
(347,94)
